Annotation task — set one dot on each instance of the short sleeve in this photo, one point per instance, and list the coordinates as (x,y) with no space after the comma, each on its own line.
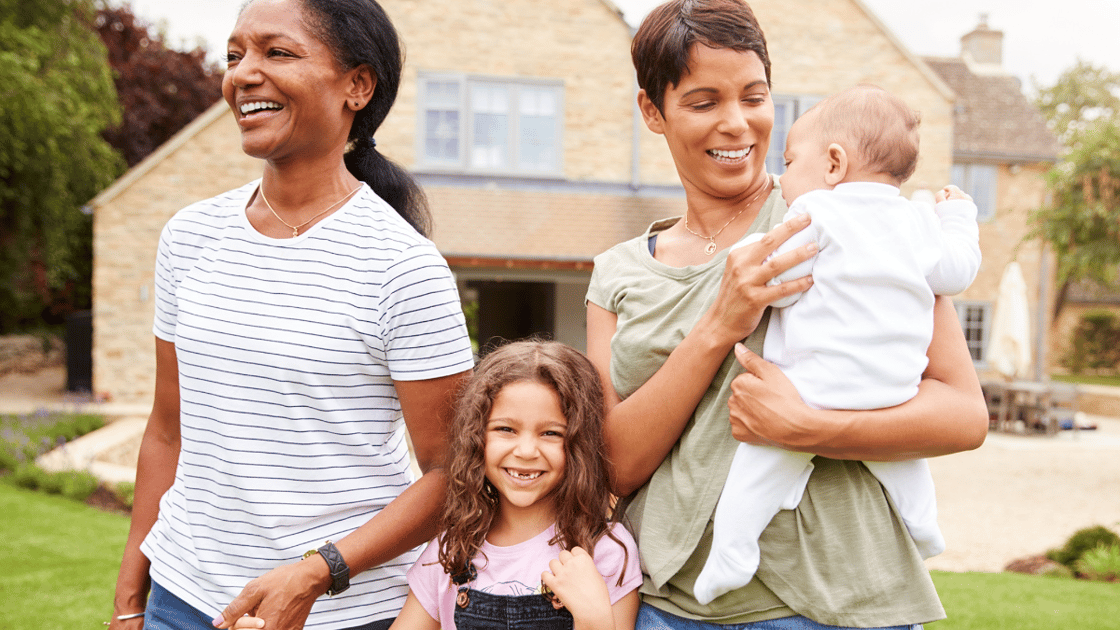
(425,332)
(166,286)
(611,558)
(427,580)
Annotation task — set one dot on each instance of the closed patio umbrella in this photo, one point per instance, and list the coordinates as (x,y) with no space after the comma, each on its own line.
(1009,350)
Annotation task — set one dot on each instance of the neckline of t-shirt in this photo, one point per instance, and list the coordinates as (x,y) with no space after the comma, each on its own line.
(491,549)
(243,217)
(718,259)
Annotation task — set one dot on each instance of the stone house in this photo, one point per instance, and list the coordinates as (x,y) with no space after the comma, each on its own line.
(519,119)
(1002,150)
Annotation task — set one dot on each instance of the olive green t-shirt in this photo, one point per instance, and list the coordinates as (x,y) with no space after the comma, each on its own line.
(843,557)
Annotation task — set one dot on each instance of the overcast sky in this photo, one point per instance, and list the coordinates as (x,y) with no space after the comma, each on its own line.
(1040,38)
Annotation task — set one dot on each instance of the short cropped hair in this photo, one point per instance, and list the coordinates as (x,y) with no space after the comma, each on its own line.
(877,124)
(661,46)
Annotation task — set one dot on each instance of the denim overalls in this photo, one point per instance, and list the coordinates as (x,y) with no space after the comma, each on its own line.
(476,610)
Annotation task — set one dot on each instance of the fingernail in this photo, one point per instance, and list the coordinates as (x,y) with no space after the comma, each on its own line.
(217,621)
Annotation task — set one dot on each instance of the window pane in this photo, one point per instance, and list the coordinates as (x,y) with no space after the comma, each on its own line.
(490,132)
(783,118)
(984,190)
(537,108)
(974,319)
(441,121)
(441,136)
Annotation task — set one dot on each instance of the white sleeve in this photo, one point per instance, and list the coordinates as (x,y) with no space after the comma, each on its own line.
(800,270)
(960,245)
(425,332)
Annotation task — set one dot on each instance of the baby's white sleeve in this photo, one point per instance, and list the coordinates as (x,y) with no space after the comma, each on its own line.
(960,246)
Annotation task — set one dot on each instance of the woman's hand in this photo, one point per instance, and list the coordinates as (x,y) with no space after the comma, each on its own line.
(766,409)
(283,596)
(948,415)
(744,292)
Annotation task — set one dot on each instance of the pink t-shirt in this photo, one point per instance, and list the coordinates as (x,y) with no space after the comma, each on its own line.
(517,570)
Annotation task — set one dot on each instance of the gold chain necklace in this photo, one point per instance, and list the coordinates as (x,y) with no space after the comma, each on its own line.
(711,247)
(295,228)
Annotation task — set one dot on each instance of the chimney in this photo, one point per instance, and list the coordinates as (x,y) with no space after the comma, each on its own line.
(983,46)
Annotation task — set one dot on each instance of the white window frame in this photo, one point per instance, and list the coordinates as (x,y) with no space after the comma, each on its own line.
(976,321)
(465,132)
(981,182)
(787,108)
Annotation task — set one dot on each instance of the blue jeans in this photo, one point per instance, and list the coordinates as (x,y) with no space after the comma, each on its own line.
(167,612)
(650,618)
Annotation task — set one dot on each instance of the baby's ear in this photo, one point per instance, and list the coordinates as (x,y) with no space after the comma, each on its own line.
(837,164)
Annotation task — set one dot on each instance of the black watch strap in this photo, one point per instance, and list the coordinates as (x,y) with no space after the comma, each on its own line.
(340,572)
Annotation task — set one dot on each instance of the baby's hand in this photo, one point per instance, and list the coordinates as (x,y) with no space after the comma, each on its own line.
(247,622)
(950,192)
(578,586)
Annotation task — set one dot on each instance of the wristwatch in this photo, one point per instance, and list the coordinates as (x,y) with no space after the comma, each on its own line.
(340,572)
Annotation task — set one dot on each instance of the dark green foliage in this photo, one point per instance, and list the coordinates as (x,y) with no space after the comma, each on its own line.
(1100,563)
(56,97)
(1082,222)
(1083,540)
(126,492)
(1096,342)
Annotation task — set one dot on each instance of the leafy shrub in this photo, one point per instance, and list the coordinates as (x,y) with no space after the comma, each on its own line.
(77,484)
(28,476)
(1082,541)
(23,438)
(1096,342)
(1100,563)
(126,492)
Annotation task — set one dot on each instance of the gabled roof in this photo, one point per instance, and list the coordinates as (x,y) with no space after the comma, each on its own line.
(992,119)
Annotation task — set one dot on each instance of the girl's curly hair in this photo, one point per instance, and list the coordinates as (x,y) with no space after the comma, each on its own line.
(584,505)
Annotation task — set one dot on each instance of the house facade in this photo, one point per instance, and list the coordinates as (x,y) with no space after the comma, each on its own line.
(519,119)
(1002,150)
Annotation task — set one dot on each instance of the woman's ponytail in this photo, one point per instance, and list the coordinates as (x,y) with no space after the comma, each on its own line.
(359,32)
(391,182)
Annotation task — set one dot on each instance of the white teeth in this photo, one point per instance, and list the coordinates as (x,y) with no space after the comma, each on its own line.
(524,476)
(730,155)
(248,108)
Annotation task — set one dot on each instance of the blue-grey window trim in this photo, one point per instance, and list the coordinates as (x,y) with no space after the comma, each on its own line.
(465,80)
(799,103)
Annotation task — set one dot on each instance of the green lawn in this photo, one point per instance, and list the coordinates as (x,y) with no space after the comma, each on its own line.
(60,561)
(998,601)
(1087,379)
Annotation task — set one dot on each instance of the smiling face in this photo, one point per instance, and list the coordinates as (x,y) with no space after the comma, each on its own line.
(286,89)
(717,122)
(525,458)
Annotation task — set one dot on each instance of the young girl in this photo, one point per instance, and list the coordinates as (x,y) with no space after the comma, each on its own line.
(527,539)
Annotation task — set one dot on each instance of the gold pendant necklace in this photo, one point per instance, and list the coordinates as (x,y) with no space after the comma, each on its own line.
(711,247)
(295,228)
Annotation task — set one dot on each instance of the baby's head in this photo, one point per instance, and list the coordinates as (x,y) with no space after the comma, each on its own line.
(861,134)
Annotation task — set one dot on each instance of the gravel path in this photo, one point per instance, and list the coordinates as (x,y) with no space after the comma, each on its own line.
(1019,496)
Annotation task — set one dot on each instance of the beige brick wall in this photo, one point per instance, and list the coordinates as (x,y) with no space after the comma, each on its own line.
(125,236)
(1020,190)
(580,42)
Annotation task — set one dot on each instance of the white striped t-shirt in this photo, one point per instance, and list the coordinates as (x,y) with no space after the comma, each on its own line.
(291,429)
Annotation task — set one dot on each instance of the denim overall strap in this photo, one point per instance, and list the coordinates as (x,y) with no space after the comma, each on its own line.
(485,611)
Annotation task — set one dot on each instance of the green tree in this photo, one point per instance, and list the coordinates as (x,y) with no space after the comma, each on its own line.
(1082,221)
(56,98)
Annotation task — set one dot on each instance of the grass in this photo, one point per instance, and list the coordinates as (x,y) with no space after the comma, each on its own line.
(1011,601)
(1087,379)
(60,561)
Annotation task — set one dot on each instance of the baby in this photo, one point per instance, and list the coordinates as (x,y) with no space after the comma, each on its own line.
(856,339)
